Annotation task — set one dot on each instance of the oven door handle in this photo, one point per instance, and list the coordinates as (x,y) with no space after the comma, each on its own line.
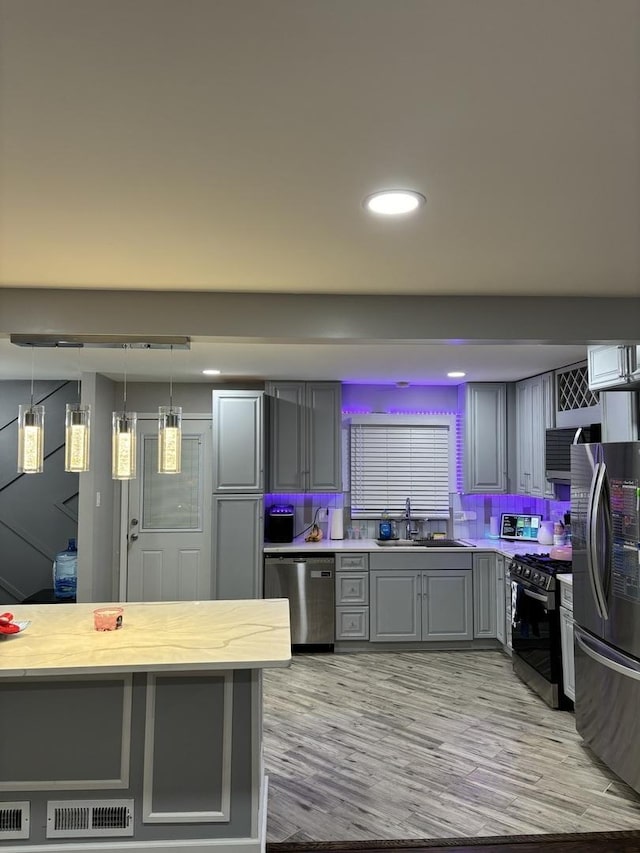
(537,595)
(611,659)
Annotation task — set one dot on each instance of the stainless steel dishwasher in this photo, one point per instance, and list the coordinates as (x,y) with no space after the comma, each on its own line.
(308,583)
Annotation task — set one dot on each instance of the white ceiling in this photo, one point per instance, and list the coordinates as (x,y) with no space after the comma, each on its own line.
(228,144)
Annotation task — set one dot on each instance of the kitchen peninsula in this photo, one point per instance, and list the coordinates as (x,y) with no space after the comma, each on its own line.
(148,737)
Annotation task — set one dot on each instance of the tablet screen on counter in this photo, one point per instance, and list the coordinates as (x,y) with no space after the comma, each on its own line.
(516,526)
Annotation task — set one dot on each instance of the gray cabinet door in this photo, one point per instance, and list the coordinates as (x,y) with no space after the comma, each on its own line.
(237,546)
(499,594)
(535,412)
(238,442)
(484,595)
(394,606)
(447,608)
(485,448)
(324,450)
(524,436)
(568,662)
(620,415)
(607,367)
(304,436)
(542,416)
(287,446)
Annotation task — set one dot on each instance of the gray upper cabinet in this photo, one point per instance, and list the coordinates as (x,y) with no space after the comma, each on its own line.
(620,415)
(535,412)
(238,441)
(484,407)
(304,436)
(614,367)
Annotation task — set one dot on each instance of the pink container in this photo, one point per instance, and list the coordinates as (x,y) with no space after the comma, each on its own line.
(107,618)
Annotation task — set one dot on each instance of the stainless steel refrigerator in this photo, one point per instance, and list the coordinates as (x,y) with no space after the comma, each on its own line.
(605,532)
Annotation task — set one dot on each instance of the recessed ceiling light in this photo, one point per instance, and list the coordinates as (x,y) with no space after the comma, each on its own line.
(456,374)
(394,202)
(211,372)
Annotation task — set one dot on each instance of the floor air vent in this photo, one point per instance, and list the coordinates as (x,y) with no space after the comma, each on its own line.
(89,818)
(14,821)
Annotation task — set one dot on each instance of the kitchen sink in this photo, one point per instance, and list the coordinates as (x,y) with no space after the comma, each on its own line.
(421,543)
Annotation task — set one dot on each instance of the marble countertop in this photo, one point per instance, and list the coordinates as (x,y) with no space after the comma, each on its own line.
(337,546)
(155,636)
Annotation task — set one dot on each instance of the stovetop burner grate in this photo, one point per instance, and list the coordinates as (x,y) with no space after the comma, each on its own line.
(544,563)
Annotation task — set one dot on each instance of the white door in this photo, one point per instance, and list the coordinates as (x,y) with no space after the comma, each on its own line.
(169,519)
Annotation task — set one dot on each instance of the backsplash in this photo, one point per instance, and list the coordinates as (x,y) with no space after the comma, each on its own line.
(305,507)
(472,513)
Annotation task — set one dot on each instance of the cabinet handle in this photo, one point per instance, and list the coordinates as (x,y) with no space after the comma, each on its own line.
(622,362)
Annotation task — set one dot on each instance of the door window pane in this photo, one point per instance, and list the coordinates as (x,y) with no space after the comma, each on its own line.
(171,501)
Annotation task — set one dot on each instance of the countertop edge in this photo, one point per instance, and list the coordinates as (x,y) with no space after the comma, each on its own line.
(44,672)
(506,548)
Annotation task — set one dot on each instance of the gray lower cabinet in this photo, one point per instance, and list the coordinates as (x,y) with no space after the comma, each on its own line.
(500,600)
(237,546)
(566,639)
(410,605)
(352,623)
(352,596)
(238,441)
(305,451)
(484,596)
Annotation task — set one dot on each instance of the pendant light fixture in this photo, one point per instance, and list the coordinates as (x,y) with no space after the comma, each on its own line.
(77,426)
(170,433)
(30,435)
(123,438)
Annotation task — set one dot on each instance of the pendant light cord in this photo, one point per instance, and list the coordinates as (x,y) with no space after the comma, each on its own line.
(32,363)
(171,379)
(124,396)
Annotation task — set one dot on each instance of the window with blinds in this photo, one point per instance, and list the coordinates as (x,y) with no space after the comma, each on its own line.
(393,461)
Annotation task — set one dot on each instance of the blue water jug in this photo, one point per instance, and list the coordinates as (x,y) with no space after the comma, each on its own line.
(385,531)
(65,572)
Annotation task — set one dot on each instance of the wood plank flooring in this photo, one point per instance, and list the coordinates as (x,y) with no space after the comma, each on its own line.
(427,745)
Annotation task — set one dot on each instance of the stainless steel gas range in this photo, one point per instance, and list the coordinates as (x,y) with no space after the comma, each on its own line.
(535,625)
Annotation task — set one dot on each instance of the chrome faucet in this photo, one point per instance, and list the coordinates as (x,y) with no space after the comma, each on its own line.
(407,517)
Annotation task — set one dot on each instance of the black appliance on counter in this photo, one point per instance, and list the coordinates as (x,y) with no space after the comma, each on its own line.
(279,523)
(535,625)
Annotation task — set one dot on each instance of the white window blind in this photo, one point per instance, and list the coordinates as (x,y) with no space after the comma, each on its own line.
(392,462)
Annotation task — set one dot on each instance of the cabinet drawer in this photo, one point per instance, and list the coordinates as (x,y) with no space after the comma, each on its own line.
(421,560)
(352,623)
(352,561)
(566,595)
(352,588)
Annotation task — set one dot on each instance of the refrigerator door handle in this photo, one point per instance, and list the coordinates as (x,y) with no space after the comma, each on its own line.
(610,658)
(593,565)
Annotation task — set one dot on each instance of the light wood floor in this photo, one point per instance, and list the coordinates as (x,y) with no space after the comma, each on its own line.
(426,745)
